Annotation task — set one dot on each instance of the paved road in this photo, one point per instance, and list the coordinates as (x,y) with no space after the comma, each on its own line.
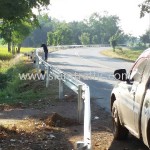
(92,68)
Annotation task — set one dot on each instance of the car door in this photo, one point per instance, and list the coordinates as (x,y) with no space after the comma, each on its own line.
(139,96)
(128,91)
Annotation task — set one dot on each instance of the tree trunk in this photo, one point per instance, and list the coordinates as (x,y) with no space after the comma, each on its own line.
(10,41)
(9,47)
(13,48)
(19,47)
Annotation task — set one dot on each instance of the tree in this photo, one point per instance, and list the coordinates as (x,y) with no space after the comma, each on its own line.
(145,8)
(21,31)
(13,13)
(15,33)
(95,39)
(6,29)
(132,41)
(20,9)
(49,38)
(109,27)
(113,40)
(77,28)
(145,38)
(85,38)
(62,35)
(40,34)
(53,32)
(123,39)
(102,27)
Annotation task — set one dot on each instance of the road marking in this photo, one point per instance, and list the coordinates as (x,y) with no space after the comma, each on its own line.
(77,54)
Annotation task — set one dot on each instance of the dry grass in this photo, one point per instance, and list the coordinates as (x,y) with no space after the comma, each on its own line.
(126,54)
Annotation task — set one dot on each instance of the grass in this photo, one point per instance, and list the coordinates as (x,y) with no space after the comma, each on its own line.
(126,54)
(5,55)
(26,49)
(14,90)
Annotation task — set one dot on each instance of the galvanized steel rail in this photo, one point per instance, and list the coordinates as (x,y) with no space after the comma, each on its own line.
(79,88)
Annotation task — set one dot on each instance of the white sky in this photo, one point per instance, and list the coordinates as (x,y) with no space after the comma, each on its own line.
(127,10)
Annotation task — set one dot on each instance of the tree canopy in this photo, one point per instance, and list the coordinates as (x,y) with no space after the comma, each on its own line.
(97,29)
(145,8)
(145,38)
(17,19)
(113,40)
(13,10)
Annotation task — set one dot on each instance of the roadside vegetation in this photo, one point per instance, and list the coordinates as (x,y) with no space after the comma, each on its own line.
(5,55)
(13,90)
(123,53)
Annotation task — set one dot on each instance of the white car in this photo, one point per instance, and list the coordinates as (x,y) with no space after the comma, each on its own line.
(130,101)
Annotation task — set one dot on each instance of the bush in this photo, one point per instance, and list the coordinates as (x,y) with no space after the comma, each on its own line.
(6,56)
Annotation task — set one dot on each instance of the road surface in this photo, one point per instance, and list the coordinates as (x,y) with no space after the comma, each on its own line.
(94,69)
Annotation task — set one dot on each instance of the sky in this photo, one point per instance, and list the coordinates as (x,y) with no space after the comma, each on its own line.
(127,10)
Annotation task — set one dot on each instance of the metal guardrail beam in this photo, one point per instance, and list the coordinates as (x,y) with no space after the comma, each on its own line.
(78,87)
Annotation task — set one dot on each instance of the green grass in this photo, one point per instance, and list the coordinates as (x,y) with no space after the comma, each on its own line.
(14,90)
(5,55)
(5,65)
(26,49)
(126,54)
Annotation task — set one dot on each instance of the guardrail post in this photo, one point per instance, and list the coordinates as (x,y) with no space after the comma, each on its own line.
(47,76)
(61,90)
(86,144)
(42,68)
(83,92)
(37,64)
(80,105)
(87,118)
(34,56)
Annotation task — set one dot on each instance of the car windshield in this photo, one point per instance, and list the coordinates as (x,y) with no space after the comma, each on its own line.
(137,69)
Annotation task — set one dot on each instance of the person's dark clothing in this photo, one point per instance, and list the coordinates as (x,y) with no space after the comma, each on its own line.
(45,50)
(46,55)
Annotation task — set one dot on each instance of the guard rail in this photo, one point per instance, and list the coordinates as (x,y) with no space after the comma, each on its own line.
(79,88)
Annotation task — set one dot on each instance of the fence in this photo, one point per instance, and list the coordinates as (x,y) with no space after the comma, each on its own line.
(79,88)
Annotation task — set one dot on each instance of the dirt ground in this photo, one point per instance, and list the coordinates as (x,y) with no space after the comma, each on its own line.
(49,125)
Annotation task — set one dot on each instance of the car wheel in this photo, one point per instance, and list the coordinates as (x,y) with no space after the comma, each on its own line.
(119,131)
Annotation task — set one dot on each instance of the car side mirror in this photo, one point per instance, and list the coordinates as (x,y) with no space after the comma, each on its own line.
(120,74)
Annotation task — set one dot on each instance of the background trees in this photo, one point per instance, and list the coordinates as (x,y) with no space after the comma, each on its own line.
(145,38)
(27,29)
(103,27)
(17,10)
(85,38)
(17,21)
(77,29)
(96,29)
(21,31)
(17,18)
(15,33)
(113,40)
(145,7)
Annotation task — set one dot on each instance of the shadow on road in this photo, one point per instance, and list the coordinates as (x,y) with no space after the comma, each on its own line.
(130,144)
(104,58)
(102,135)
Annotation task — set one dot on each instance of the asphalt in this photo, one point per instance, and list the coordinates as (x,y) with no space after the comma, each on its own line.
(91,67)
